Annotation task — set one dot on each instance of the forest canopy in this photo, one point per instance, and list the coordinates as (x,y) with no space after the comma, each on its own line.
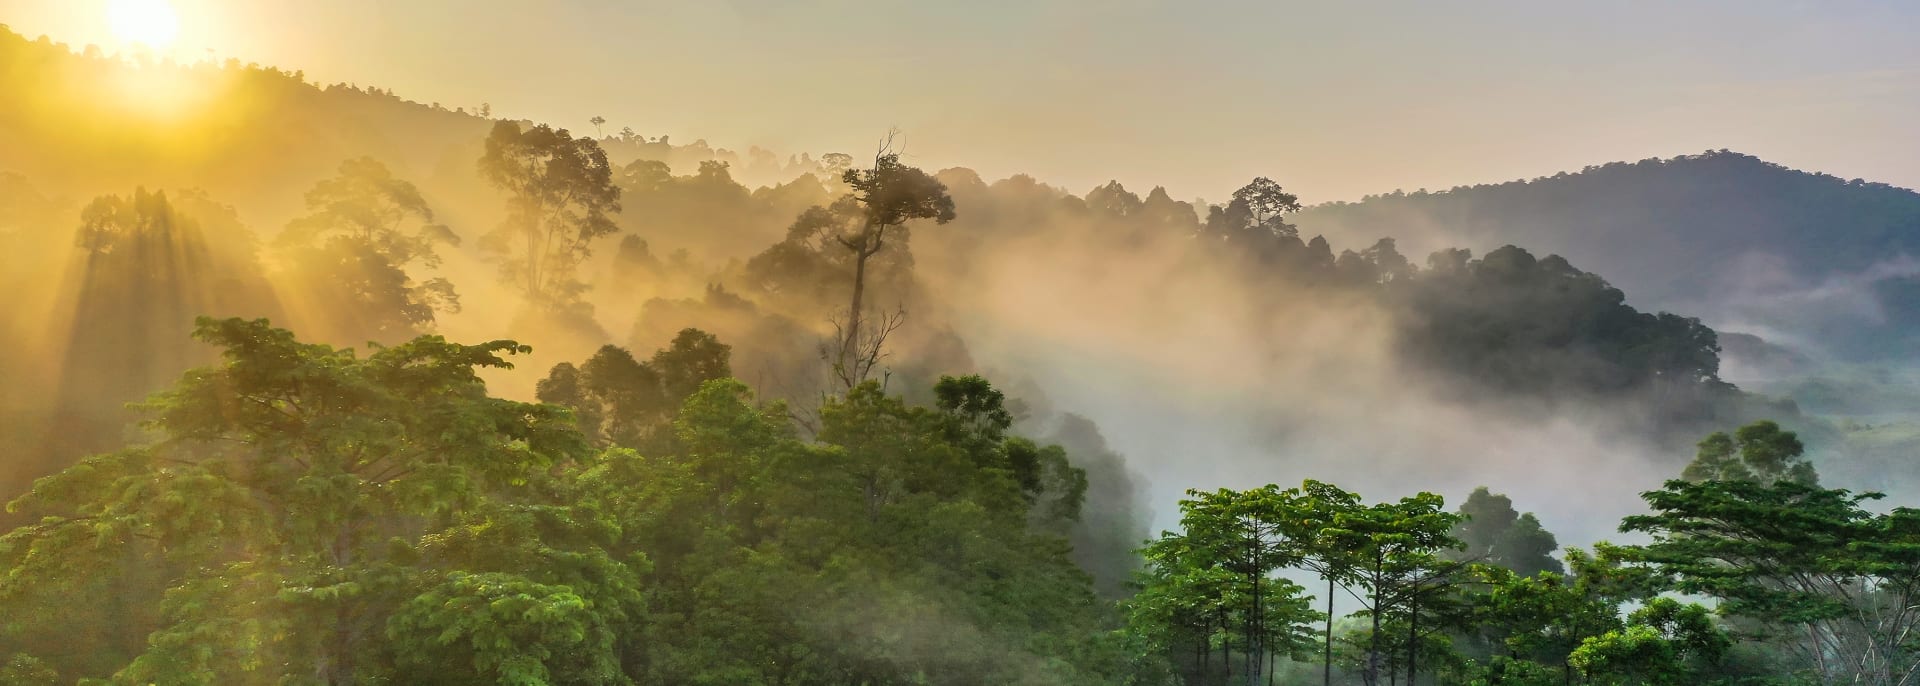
(321,385)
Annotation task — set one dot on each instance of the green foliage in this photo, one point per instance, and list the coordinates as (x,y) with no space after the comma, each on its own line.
(297,498)
(1212,586)
(618,400)
(1807,565)
(1492,532)
(25,670)
(1760,451)
(310,515)
(1663,642)
(891,193)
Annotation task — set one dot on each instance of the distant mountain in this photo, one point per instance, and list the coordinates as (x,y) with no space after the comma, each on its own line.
(1807,260)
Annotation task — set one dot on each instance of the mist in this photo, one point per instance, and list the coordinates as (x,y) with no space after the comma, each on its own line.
(317,374)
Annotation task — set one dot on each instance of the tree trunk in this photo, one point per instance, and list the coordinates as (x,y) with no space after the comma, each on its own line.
(1413,640)
(1256,638)
(1373,638)
(1226,649)
(849,348)
(1200,653)
(1201,650)
(1328,655)
(533,258)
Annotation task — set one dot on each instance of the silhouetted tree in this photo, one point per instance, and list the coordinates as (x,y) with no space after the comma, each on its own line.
(350,254)
(561,193)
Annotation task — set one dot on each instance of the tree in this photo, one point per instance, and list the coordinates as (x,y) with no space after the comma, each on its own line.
(889,195)
(1492,532)
(1265,203)
(1396,545)
(1319,508)
(898,549)
(560,198)
(1213,584)
(618,400)
(1526,548)
(597,120)
(363,229)
(1485,516)
(317,516)
(1664,643)
(1531,625)
(1254,222)
(149,263)
(1761,452)
(1835,582)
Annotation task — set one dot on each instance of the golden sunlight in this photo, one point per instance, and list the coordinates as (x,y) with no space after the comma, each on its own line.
(152,23)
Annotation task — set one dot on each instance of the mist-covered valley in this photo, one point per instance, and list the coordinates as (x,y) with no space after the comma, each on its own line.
(624,409)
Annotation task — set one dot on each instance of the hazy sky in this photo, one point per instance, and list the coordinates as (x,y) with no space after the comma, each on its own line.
(1334,100)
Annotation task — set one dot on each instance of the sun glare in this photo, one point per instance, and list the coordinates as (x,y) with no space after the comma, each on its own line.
(152,23)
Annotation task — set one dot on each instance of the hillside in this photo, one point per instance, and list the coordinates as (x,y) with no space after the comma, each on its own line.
(434,397)
(81,123)
(1805,259)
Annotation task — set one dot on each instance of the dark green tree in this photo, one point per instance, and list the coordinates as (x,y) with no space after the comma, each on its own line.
(619,400)
(1492,532)
(1761,451)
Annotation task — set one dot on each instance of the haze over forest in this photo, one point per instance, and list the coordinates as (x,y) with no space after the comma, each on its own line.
(314,379)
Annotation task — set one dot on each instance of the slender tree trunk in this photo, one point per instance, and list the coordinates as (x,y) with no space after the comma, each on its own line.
(853,316)
(1226,650)
(533,258)
(1203,651)
(1413,640)
(1327,663)
(1373,638)
(1200,653)
(849,352)
(1257,638)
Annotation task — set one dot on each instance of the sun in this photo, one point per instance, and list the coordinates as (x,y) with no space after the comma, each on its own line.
(152,23)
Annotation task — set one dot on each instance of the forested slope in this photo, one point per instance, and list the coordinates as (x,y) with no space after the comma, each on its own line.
(1816,260)
(430,398)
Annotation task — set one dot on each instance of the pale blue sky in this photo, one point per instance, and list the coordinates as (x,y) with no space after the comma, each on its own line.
(1333,99)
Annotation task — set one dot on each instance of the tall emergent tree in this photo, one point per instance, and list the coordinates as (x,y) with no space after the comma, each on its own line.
(362,230)
(561,196)
(1254,222)
(889,195)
